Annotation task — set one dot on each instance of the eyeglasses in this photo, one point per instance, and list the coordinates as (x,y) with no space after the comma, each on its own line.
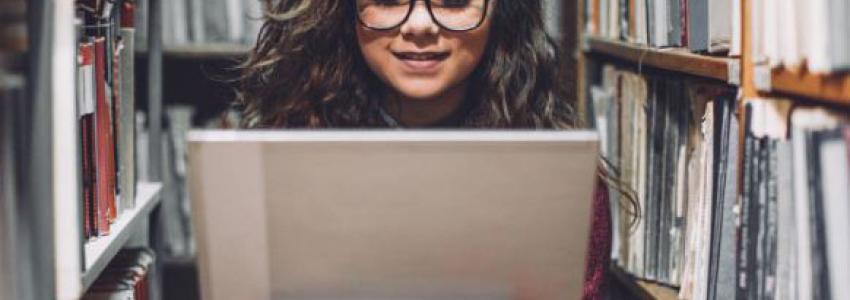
(452,15)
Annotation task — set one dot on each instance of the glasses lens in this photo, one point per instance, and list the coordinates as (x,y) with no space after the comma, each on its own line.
(459,14)
(382,14)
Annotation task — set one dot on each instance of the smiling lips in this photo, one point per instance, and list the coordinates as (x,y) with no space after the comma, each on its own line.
(421,62)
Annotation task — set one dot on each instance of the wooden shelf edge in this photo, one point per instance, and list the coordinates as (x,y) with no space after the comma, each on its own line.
(679,60)
(644,289)
(99,252)
(833,88)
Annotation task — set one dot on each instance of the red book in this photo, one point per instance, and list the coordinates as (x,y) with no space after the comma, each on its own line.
(104,148)
(128,9)
(115,105)
(85,106)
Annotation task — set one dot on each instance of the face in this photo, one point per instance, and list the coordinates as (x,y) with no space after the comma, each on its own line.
(425,57)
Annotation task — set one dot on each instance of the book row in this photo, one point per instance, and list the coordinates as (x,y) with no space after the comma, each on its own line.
(716,214)
(126,277)
(106,112)
(794,210)
(711,26)
(802,34)
(667,137)
(211,21)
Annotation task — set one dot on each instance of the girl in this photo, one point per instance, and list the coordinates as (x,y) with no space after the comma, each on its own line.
(413,64)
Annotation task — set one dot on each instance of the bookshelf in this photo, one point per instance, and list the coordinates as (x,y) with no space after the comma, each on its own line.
(828,88)
(207,51)
(644,289)
(721,71)
(52,259)
(765,129)
(670,59)
(99,252)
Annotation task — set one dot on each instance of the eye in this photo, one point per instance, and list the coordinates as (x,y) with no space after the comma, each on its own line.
(390,2)
(453,3)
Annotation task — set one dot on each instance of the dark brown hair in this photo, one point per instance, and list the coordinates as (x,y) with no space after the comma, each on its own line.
(307,71)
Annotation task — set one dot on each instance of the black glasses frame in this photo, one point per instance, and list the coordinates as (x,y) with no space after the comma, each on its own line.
(410,9)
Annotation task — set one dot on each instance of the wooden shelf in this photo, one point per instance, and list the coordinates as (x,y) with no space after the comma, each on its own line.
(671,59)
(644,289)
(827,88)
(204,51)
(100,251)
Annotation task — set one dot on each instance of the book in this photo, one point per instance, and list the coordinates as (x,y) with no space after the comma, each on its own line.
(126,277)
(834,173)
(127,109)
(86,110)
(104,148)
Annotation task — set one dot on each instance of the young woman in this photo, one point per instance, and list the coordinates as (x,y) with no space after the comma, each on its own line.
(413,64)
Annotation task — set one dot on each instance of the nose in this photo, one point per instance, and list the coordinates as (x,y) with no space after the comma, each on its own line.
(420,21)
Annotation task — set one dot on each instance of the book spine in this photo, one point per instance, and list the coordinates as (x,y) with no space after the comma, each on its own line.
(127,108)
(103,151)
(88,135)
(115,168)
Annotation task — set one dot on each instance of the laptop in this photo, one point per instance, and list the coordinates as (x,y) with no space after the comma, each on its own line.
(392,214)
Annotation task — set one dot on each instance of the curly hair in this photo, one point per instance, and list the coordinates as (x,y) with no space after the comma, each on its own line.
(307,71)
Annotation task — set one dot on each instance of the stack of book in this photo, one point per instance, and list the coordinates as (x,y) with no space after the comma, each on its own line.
(106,112)
(700,25)
(794,209)
(674,143)
(796,34)
(211,22)
(126,277)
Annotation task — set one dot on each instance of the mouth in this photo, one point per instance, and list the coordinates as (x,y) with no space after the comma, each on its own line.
(421,61)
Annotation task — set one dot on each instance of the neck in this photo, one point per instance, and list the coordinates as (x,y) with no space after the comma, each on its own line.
(414,113)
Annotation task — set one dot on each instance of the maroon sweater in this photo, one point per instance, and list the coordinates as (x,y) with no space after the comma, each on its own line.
(599,251)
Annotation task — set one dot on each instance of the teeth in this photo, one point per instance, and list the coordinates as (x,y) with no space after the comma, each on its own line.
(420,56)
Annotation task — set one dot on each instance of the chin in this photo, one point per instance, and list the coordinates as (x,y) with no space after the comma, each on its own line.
(421,91)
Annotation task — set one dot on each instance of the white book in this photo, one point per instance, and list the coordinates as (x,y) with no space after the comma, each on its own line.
(641,32)
(790,12)
(253,21)
(737,29)
(196,17)
(803,120)
(614,18)
(770,39)
(604,23)
(181,25)
(757,31)
(827,37)
(636,240)
(658,20)
(786,257)
(840,34)
(836,209)
(235,20)
(719,25)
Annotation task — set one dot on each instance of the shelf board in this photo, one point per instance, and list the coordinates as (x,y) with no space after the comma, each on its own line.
(644,289)
(680,60)
(202,51)
(834,88)
(100,251)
